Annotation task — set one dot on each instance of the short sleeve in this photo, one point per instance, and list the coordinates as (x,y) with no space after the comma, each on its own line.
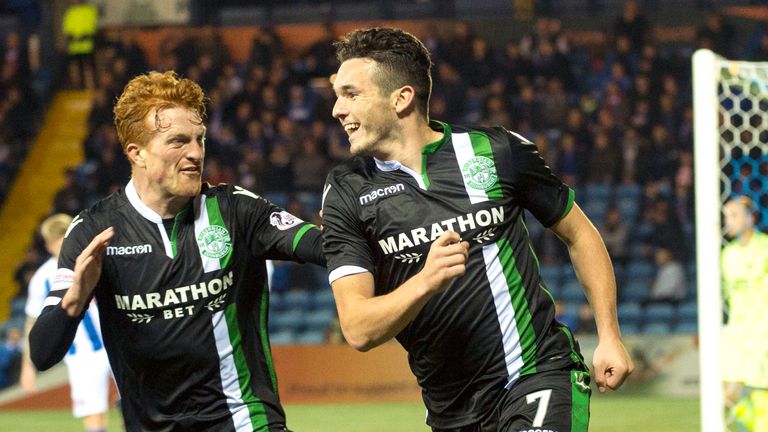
(535,187)
(344,242)
(271,232)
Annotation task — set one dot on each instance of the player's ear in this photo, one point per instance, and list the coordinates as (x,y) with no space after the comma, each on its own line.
(135,154)
(404,99)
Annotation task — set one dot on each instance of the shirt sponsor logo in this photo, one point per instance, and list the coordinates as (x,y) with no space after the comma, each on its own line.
(175,296)
(381,192)
(428,234)
(480,173)
(283,220)
(129,250)
(214,241)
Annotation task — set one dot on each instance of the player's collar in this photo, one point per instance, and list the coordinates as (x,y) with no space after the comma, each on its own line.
(143,209)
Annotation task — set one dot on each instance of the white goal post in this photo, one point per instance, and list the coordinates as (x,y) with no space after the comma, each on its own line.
(706,138)
(730,103)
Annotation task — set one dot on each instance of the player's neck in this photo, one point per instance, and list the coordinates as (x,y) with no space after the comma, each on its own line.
(407,148)
(166,206)
(746,237)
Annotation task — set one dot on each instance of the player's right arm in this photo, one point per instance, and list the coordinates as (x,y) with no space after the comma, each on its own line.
(55,328)
(367,320)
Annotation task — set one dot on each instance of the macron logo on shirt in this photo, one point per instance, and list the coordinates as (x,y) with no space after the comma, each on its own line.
(381,192)
(129,250)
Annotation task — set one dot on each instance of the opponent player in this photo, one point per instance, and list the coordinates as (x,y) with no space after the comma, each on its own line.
(86,360)
(178,272)
(426,242)
(745,289)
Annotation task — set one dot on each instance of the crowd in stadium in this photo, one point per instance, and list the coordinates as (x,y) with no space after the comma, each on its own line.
(614,121)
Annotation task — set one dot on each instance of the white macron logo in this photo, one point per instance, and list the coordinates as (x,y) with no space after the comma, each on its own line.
(380,192)
(129,250)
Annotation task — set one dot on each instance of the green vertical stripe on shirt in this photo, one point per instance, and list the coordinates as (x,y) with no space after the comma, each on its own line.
(523,318)
(264,336)
(481,146)
(214,218)
(256,409)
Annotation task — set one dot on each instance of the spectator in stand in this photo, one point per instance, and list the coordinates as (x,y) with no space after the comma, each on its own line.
(615,234)
(81,22)
(670,284)
(716,34)
(632,24)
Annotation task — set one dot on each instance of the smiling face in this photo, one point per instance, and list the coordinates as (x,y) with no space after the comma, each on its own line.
(171,162)
(368,116)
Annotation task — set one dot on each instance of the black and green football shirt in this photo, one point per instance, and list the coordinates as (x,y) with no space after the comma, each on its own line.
(495,323)
(184,307)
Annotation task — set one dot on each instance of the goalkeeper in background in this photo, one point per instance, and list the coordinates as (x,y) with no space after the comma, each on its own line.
(744,350)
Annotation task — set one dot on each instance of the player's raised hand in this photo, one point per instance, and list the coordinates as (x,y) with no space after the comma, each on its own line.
(612,365)
(87,273)
(445,262)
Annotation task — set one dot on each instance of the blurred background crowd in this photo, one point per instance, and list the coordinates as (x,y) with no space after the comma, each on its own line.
(614,119)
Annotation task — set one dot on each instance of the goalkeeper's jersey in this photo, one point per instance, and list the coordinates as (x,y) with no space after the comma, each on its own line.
(184,305)
(745,289)
(495,323)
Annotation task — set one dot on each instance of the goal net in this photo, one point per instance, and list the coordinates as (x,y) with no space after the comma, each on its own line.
(730,100)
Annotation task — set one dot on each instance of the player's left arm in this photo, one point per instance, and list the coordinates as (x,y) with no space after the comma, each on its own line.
(275,233)
(611,362)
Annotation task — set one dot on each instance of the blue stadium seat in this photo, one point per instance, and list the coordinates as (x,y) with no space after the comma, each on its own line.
(595,209)
(634,290)
(598,192)
(291,319)
(310,337)
(688,312)
(283,337)
(629,190)
(629,208)
(640,269)
(630,329)
(323,299)
(551,275)
(17,307)
(630,313)
(572,292)
(659,312)
(686,327)
(657,328)
(319,319)
(298,299)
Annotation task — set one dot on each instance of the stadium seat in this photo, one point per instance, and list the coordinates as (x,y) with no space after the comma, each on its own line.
(630,329)
(551,275)
(283,337)
(629,190)
(629,207)
(595,209)
(572,292)
(310,337)
(630,313)
(687,327)
(298,299)
(659,312)
(657,328)
(634,290)
(598,192)
(640,269)
(292,319)
(687,312)
(323,299)
(319,319)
